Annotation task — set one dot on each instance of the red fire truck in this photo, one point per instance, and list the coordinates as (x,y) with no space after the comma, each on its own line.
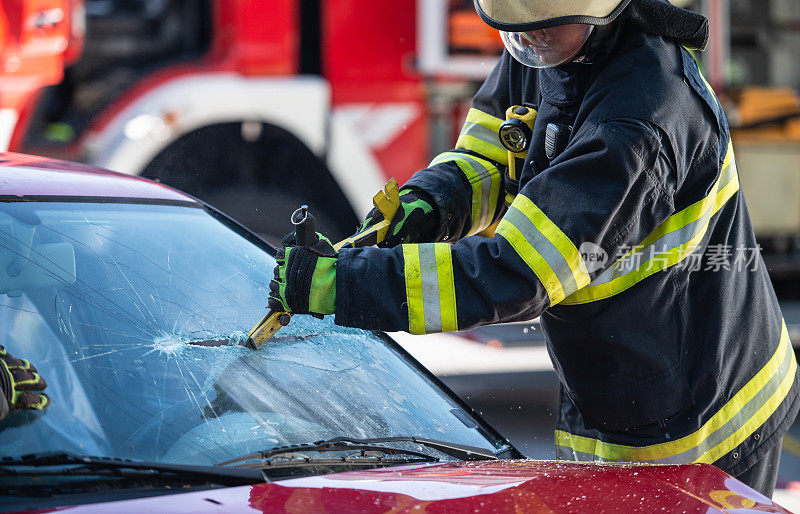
(252,106)
(37,40)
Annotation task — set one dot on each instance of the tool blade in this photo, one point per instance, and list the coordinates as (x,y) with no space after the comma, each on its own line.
(266,328)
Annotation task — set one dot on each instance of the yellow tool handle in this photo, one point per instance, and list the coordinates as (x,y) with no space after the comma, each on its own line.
(266,328)
(387,202)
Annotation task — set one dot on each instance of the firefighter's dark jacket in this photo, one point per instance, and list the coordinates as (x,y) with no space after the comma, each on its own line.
(633,244)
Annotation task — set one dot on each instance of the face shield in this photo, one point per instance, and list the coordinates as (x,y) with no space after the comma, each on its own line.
(546,48)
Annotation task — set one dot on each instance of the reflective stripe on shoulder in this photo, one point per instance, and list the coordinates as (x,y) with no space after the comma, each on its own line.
(729,427)
(485,180)
(546,250)
(430,288)
(480,135)
(670,243)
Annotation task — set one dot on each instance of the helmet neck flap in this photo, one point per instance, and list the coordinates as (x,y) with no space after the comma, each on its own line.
(661,18)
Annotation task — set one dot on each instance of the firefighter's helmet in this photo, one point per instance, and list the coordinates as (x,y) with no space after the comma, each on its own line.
(525,15)
(547,33)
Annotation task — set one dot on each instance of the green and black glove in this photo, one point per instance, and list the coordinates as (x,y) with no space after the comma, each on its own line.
(305,278)
(415,221)
(19,385)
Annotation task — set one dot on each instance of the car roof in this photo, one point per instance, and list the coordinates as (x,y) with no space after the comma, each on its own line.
(32,176)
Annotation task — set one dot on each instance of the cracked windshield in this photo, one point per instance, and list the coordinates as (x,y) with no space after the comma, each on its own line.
(135,314)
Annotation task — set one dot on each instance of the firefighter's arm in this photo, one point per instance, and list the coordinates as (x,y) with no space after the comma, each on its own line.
(610,188)
(466,183)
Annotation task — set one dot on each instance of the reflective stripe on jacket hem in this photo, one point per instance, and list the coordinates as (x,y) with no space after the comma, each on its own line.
(430,288)
(547,251)
(670,243)
(485,180)
(729,427)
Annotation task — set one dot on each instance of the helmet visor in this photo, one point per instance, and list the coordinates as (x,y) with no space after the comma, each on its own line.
(546,48)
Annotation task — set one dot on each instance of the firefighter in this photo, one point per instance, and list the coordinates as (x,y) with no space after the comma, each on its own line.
(625,230)
(20,385)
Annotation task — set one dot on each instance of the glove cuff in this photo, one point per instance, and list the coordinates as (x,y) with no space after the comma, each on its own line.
(450,203)
(419,193)
(433,221)
(301,266)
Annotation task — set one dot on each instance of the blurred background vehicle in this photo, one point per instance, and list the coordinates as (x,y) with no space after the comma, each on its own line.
(252,102)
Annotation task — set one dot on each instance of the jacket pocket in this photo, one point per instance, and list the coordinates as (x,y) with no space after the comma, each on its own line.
(640,403)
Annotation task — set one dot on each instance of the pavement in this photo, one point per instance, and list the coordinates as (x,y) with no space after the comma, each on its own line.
(505,373)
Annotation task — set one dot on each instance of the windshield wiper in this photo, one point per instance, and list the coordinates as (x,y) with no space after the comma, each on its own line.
(68,464)
(337,444)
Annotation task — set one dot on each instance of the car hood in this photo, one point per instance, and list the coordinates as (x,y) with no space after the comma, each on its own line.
(496,486)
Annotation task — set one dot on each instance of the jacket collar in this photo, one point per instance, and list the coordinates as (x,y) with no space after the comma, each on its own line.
(567,84)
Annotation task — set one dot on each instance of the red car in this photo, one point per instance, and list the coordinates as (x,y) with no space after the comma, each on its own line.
(133,301)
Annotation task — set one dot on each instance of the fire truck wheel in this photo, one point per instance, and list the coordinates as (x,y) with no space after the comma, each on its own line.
(266,212)
(258,174)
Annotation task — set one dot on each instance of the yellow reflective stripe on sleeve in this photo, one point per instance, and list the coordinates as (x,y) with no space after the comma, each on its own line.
(696,210)
(494,194)
(670,243)
(729,427)
(430,288)
(547,251)
(413,277)
(480,134)
(554,234)
(485,181)
(447,287)
(535,262)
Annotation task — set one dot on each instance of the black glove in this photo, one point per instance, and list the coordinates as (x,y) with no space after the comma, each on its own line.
(414,222)
(305,278)
(19,383)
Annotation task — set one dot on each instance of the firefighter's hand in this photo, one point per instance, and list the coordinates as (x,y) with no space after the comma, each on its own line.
(305,278)
(415,221)
(20,385)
